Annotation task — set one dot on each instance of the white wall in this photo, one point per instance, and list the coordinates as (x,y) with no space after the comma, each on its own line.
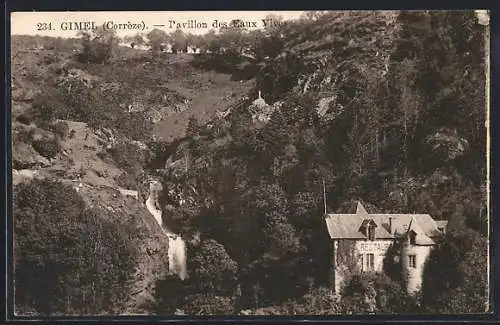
(377,247)
(414,275)
(362,247)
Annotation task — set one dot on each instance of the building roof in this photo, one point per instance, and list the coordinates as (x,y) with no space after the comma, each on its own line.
(386,226)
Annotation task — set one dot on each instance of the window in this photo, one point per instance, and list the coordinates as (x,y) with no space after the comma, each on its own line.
(370,262)
(362,262)
(413,237)
(412,261)
(371,232)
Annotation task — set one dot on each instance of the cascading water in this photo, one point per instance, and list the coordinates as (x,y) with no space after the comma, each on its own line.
(177,256)
(176,245)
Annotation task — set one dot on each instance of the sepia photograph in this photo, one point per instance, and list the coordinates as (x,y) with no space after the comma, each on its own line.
(250,163)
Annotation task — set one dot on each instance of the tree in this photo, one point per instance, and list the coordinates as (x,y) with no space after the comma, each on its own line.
(68,260)
(156,38)
(266,244)
(134,40)
(301,206)
(129,156)
(170,292)
(98,45)
(212,269)
(138,39)
(273,24)
(194,40)
(455,278)
(313,14)
(207,42)
(233,38)
(275,135)
(179,40)
(317,301)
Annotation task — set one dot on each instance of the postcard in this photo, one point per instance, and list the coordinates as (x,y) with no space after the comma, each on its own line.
(187,163)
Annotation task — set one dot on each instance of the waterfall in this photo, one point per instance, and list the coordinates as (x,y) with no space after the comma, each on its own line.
(176,245)
(177,257)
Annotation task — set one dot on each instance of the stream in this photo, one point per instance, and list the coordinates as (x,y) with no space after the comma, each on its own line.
(176,245)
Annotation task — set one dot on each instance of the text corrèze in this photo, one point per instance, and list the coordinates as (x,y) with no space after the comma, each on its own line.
(92,25)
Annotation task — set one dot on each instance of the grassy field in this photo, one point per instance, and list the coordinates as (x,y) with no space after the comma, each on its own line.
(169,85)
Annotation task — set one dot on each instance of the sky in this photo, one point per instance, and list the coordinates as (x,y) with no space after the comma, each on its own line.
(37,23)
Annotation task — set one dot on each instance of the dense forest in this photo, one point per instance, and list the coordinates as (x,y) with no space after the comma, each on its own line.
(387,108)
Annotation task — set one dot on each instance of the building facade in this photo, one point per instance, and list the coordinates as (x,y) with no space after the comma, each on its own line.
(360,243)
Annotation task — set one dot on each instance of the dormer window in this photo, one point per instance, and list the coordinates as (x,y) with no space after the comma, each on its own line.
(413,237)
(371,232)
(368,229)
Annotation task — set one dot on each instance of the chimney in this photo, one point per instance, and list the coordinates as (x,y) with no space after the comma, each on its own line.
(259,95)
(390,225)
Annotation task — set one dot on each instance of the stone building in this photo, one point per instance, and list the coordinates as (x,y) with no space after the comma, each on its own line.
(360,243)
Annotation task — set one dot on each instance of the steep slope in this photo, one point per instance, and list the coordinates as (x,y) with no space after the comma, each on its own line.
(319,57)
(80,165)
(355,115)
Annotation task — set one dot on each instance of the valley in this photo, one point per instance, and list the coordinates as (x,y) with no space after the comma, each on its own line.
(161,183)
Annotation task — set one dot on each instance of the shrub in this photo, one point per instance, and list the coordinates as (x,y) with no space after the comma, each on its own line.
(169,294)
(193,127)
(318,301)
(205,304)
(212,269)
(135,126)
(126,181)
(392,264)
(43,227)
(376,292)
(455,275)
(128,156)
(61,129)
(46,107)
(47,147)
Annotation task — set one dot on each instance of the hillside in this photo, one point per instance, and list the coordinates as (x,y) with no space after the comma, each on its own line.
(91,160)
(169,89)
(374,105)
(384,108)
